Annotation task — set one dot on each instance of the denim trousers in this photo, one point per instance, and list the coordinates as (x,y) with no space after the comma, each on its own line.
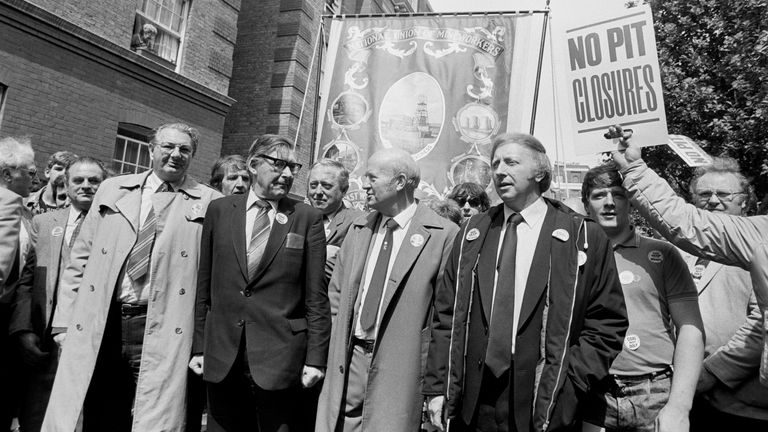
(629,403)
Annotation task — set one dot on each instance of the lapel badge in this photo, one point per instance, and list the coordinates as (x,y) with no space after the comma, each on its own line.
(57,231)
(281,218)
(626,277)
(473,234)
(632,342)
(417,240)
(561,234)
(197,207)
(581,258)
(655,256)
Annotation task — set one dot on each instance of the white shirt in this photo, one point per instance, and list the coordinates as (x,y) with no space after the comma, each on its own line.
(403,220)
(72,221)
(129,288)
(527,238)
(251,210)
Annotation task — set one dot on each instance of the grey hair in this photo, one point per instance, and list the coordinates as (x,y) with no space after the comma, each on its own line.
(16,152)
(194,135)
(725,165)
(543,165)
(343,172)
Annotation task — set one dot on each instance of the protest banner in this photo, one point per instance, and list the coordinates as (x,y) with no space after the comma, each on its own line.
(607,70)
(689,151)
(439,87)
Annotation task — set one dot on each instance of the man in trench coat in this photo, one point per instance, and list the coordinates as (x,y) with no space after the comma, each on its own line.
(137,385)
(374,374)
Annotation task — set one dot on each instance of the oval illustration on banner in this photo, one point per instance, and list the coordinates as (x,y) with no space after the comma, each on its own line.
(412,114)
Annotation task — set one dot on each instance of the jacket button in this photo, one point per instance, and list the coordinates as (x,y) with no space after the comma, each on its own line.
(184,253)
(79,327)
(479,364)
(240,323)
(178,330)
(92,288)
(341,370)
(247,293)
(104,251)
(185,197)
(182,292)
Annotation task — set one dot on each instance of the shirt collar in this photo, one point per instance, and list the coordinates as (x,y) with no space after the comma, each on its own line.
(252,198)
(404,217)
(632,241)
(532,215)
(73,215)
(154,182)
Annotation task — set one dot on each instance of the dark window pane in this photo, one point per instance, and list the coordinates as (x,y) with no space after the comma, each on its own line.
(144,156)
(119,148)
(131,152)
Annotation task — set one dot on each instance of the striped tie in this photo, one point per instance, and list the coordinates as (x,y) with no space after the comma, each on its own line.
(76,231)
(138,259)
(259,237)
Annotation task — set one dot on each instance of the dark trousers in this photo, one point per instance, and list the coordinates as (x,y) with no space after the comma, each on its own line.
(237,404)
(10,366)
(38,383)
(494,407)
(351,416)
(195,401)
(109,400)
(706,418)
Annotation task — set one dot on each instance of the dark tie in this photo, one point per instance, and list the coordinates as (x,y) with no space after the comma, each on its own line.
(138,259)
(76,231)
(378,280)
(498,355)
(259,237)
(699,267)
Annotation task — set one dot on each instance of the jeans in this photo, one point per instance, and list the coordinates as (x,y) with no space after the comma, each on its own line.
(629,403)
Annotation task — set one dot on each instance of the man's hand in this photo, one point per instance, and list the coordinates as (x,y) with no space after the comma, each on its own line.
(59,339)
(311,375)
(672,418)
(435,410)
(626,153)
(706,381)
(196,364)
(31,353)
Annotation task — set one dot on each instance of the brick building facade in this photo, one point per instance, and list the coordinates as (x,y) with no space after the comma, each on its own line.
(70,79)
(273,74)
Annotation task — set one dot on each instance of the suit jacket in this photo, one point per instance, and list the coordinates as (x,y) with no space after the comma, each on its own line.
(10,224)
(87,289)
(40,277)
(283,312)
(733,325)
(393,396)
(571,326)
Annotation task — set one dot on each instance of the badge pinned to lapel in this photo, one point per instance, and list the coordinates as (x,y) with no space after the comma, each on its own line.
(57,231)
(561,234)
(281,218)
(197,207)
(417,240)
(473,234)
(581,258)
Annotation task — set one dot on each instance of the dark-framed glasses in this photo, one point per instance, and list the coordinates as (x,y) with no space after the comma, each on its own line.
(722,195)
(280,164)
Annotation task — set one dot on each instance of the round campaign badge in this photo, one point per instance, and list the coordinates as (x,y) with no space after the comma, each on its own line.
(632,342)
(582,258)
(417,240)
(626,277)
(197,207)
(561,234)
(655,256)
(281,218)
(473,234)
(57,231)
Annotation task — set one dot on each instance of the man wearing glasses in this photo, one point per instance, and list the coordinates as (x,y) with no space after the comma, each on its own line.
(125,305)
(262,321)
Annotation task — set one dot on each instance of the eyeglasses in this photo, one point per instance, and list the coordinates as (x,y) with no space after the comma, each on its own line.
(32,172)
(168,148)
(280,164)
(473,202)
(723,196)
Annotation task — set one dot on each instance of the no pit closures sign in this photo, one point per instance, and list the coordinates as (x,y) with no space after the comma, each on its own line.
(607,72)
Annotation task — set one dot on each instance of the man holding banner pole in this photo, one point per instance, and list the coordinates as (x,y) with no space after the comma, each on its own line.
(728,239)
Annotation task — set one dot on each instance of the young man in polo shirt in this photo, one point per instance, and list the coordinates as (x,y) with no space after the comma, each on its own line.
(665,329)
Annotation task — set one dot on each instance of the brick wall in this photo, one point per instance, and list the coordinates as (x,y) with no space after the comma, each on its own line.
(110,19)
(64,99)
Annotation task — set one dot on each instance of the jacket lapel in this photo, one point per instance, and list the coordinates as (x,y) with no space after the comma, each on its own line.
(237,224)
(277,235)
(486,270)
(129,204)
(709,273)
(540,267)
(366,225)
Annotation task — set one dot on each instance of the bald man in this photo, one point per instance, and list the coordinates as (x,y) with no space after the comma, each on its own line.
(386,273)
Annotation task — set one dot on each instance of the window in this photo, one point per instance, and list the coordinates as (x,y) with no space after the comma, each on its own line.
(168,18)
(131,149)
(3,91)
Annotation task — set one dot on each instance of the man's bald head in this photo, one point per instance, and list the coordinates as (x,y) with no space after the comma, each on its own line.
(390,180)
(398,162)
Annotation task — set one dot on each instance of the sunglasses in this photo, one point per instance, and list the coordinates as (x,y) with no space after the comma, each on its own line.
(473,202)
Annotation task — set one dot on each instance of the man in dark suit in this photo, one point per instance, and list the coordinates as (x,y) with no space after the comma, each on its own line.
(52,235)
(530,313)
(262,321)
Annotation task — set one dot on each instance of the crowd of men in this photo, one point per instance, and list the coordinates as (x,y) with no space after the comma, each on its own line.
(138,302)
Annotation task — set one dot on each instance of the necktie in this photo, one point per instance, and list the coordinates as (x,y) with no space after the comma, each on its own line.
(259,237)
(698,268)
(76,231)
(138,259)
(498,355)
(378,279)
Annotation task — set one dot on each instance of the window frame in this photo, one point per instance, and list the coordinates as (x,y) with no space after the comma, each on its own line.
(135,165)
(180,35)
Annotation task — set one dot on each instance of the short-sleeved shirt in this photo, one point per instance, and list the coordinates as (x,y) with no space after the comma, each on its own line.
(652,275)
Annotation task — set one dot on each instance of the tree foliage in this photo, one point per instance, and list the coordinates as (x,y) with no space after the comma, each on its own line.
(714,61)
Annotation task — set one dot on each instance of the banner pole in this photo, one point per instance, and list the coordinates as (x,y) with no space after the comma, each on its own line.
(437,14)
(317,97)
(306,88)
(538,71)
